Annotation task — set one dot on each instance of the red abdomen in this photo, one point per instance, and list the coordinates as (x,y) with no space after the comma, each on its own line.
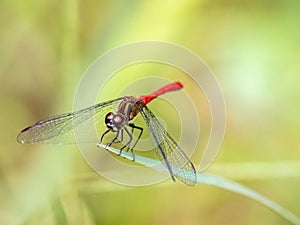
(170,87)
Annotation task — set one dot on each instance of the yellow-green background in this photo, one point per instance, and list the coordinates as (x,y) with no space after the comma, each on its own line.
(253,47)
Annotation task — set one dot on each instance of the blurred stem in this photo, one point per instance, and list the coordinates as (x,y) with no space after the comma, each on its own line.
(70,67)
(68,207)
(73,207)
(58,211)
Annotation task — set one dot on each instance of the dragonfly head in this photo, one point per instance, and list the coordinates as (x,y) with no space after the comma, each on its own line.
(114,121)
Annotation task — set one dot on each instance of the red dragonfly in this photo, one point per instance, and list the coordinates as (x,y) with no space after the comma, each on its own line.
(168,151)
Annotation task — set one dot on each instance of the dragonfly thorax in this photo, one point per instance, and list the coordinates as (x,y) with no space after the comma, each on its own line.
(114,121)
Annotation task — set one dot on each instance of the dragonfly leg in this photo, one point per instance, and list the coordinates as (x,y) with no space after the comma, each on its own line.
(131,138)
(103,135)
(115,138)
(138,138)
(131,134)
(128,143)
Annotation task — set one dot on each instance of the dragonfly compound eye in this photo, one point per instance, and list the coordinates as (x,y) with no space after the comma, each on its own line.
(109,120)
(118,121)
(113,121)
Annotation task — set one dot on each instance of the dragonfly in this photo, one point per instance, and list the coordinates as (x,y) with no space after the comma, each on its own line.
(174,159)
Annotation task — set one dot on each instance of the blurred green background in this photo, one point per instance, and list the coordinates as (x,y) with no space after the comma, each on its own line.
(252,47)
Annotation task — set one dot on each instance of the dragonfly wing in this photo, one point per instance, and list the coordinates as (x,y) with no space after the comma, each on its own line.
(60,129)
(168,151)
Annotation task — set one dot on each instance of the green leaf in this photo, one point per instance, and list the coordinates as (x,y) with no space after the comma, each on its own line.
(226,184)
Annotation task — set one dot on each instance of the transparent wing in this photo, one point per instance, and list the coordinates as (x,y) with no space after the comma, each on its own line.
(168,151)
(60,129)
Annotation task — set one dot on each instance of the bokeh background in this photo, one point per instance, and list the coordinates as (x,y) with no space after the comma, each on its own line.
(252,47)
